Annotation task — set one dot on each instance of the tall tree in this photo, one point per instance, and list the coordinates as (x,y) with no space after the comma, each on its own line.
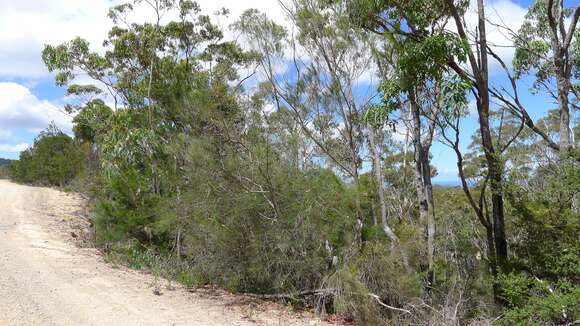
(328,63)
(430,51)
(548,48)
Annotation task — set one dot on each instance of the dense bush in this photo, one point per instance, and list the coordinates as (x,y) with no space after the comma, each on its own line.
(53,159)
(532,301)
(543,286)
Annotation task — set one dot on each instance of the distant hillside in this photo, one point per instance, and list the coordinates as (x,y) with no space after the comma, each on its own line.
(4,162)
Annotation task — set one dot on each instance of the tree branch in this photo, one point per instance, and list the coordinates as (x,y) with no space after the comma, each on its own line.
(571,28)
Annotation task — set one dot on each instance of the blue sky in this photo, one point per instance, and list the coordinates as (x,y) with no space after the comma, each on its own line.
(29,100)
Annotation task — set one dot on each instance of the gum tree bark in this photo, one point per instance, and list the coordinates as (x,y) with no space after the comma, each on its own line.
(422,174)
(380,181)
(560,42)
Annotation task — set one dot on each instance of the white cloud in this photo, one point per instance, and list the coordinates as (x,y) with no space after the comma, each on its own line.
(269,108)
(400,132)
(472,108)
(22,110)
(503,13)
(27,25)
(13,148)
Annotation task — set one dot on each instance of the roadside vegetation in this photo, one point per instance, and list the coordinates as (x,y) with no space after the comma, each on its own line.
(53,159)
(4,168)
(208,163)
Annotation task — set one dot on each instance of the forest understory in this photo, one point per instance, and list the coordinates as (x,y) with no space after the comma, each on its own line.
(293,160)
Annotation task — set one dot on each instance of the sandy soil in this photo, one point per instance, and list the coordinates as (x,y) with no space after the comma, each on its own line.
(46,279)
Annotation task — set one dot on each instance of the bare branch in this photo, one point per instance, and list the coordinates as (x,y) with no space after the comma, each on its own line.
(516,104)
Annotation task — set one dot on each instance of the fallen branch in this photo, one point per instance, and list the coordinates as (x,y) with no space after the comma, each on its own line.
(379,301)
(321,292)
(289,296)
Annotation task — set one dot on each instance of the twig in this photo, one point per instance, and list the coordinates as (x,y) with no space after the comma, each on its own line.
(379,301)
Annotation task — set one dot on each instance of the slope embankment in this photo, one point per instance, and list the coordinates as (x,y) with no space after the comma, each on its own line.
(45,279)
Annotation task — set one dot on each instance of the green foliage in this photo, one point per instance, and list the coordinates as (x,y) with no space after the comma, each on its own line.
(258,26)
(53,159)
(257,241)
(454,100)
(534,52)
(548,245)
(544,289)
(376,273)
(428,59)
(416,49)
(91,120)
(377,115)
(192,178)
(531,301)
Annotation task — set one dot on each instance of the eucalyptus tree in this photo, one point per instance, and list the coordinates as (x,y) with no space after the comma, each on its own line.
(547,46)
(424,114)
(328,68)
(167,81)
(429,51)
(418,107)
(412,70)
(437,37)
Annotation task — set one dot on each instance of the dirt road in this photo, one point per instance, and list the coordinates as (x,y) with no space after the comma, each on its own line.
(46,280)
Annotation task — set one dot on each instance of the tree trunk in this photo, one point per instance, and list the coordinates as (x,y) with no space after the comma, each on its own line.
(494,166)
(378,174)
(424,188)
(379,179)
(419,157)
(430,219)
(560,56)
(380,187)
(563,108)
(359,214)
